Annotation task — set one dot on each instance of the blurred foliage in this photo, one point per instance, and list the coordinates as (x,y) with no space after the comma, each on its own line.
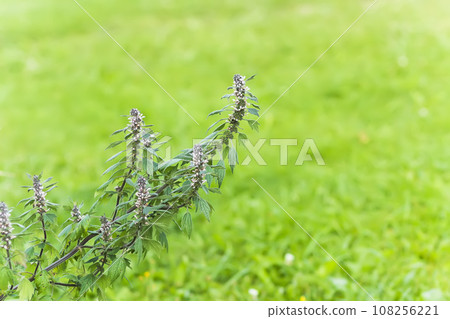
(376,106)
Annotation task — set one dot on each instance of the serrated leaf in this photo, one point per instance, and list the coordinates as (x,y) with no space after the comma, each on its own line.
(138,248)
(26,289)
(203,207)
(86,283)
(220,172)
(117,269)
(232,158)
(29,252)
(149,209)
(186,224)
(49,218)
(6,277)
(163,240)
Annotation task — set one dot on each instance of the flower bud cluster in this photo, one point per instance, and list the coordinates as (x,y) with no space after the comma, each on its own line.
(147,142)
(40,203)
(240,107)
(5,227)
(76,214)
(136,121)
(105,229)
(199,163)
(142,196)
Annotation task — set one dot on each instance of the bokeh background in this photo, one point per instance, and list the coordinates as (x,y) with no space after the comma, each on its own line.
(376,105)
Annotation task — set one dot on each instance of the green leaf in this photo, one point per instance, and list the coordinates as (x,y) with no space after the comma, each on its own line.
(114,144)
(130,182)
(3,279)
(208,176)
(149,209)
(114,156)
(214,124)
(65,231)
(49,218)
(6,277)
(232,157)
(251,78)
(138,248)
(105,184)
(215,112)
(112,168)
(203,207)
(84,223)
(117,269)
(220,175)
(186,224)
(42,281)
(220,127)
(254,125)
(252,97)
(86,283)
(26,289)
(168,163)
(253,111)
(29,252)
(121,130)
(163,240)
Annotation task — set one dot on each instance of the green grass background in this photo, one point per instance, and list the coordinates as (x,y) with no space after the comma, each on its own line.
(377,106)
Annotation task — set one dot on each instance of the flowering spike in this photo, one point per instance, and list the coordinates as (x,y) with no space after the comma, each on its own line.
(199,163)
(142,195)
(105,229)
(136,122)
(240,107)
(76,214)
(40,203)
(5,227)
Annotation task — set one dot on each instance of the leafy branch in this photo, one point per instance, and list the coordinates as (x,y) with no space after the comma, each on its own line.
(90,249)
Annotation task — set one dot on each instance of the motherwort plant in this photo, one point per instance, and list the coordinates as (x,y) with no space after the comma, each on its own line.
(49,257)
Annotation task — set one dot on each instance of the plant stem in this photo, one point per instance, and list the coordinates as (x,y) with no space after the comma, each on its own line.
(63,284)
(42,249)
(8,256)
(119,193)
